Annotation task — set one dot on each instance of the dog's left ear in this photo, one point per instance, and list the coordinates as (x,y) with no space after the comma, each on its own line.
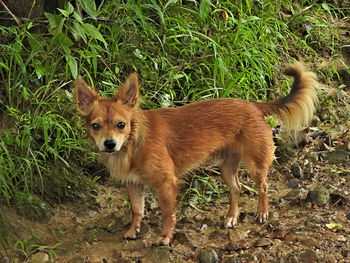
(129,93)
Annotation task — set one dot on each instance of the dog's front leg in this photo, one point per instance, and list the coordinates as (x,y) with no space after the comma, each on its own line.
(136,195)
(167,192)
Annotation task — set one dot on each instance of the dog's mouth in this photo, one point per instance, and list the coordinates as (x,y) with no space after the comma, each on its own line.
(109,151)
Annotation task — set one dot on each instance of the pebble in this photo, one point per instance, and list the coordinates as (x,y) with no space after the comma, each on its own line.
(310,242)
(309,256)
(346,253)
(297,171)
(262,242)
(281,233)
(293,183)
(40,258)
(157,254)
(182,238)
(341,238)
(338,156)
(134,244)
(348,216)
(319,196)
(238,245)
(235,235)
(233,260)
(293,195)
(208,255)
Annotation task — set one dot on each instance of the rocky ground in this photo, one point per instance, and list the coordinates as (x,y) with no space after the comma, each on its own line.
(309,219)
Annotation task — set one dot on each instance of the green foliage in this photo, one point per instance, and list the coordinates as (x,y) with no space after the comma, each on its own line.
(182,51)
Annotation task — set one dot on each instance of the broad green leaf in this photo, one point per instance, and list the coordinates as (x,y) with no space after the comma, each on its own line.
(89,7)
(204,9)
(93,32)
(78,18)
(73,65)
(56,23)
(67,11)
(78,32)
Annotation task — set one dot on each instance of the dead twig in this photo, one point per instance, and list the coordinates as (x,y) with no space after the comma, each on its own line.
(11,14)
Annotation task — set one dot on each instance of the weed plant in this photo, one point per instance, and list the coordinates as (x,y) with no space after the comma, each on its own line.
(183,51)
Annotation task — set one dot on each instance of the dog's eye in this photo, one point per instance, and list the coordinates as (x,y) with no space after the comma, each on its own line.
(121,125)
(95,126)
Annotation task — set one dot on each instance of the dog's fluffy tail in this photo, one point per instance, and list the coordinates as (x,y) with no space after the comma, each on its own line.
(297,108)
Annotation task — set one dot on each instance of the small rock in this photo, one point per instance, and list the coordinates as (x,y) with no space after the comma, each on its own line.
(208,222)
(134,244)
(233,260)
(40,258)
(281,234)
(341,238)
(208,255)
(217,234)
(238,245)
(338,156)
(157,254)
(293,183)
(273,216)
(319,196)
(292,259)
(297,171)
(316,219)
(310,242)
(284,154)
(331,258)
(77,259)
(293,195)
(345,253)
(348,216)
(309,256)
(235,235)
(312,157)
(262,242)
(248,257)
(181,238)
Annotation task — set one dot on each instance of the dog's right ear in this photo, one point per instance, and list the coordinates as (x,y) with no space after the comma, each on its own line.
(84,96)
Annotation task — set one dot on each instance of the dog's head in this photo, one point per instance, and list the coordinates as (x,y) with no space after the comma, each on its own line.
(109,120)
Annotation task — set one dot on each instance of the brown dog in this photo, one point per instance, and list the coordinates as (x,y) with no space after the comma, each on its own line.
(156,147)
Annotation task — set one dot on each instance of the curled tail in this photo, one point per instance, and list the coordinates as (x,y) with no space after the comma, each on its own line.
(297,108)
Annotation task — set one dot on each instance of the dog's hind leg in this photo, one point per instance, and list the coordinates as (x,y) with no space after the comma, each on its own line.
(259,176)
(258,163)
(136,195)
(229,171)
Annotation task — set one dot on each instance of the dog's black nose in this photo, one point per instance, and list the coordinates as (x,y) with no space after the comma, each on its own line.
(110,144)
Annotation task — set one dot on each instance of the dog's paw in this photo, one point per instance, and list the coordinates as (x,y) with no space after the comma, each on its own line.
(131,233)
(230,222)
(262,216)
(162,241)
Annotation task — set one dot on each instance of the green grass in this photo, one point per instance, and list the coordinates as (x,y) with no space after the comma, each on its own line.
(183,51)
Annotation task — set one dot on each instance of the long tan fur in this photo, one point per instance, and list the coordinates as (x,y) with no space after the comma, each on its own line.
(297,108)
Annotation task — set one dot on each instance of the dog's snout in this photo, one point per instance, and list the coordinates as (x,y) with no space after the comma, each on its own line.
(110,144)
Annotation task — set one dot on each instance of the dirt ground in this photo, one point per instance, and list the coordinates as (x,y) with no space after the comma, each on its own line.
(309,191)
